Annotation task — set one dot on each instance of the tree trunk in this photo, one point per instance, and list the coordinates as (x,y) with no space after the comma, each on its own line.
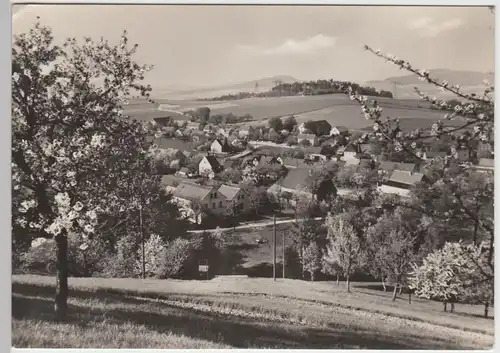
(401,289)
(312,276)
(452,307)
(486,307)
(61,299)
(348,283)
(409,297)
(383,285)
(338,283)
(395,292)
(444,305)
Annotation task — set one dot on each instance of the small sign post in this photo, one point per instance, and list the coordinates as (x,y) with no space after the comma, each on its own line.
(203,267)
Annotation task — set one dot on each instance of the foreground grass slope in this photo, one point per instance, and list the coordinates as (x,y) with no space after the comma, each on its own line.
(229,312)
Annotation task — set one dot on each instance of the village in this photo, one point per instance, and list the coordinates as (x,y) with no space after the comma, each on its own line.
(221,170)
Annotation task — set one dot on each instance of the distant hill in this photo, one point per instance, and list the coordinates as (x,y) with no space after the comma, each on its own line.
(464,78)
(403,86)
(264,84)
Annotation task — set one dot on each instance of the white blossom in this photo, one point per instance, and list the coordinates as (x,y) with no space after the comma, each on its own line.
(78,206)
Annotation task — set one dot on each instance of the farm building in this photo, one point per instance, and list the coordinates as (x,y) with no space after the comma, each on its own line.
(401,182)
(317,127)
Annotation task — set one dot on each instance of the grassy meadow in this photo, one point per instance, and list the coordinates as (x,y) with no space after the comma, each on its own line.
(337,109)
(236,312)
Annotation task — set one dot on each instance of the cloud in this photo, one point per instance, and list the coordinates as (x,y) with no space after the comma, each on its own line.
(291,46)
(427,27)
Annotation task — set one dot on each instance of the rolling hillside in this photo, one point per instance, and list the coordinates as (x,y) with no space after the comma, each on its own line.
(403,86)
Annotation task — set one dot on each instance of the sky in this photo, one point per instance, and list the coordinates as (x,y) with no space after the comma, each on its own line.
(208,45)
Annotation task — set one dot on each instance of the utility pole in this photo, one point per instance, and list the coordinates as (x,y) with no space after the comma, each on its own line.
(143,243)
(274,248)
(283,255)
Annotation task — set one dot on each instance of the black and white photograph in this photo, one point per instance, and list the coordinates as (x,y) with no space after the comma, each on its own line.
(252,176)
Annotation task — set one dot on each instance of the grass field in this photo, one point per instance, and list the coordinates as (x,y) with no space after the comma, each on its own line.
(242,313)
(337,109)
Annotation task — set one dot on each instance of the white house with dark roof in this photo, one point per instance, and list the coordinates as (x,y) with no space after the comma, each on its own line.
(400,183)
(389,167)
(211,201)
(220,146)
(338,130)
(209,166)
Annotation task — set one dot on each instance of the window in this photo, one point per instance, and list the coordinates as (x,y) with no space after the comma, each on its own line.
(213,205)
(220,204)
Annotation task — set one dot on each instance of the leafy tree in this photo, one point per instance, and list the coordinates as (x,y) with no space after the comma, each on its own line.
(457,272)
(276,124)
(290,123)
(151,263)
(312,259)
(75,156)
(174,257)
(331,268)
(202,115)
(392,252)
(344,247)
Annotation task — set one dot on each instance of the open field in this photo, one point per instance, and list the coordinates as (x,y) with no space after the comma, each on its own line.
(337,109)
(237,312)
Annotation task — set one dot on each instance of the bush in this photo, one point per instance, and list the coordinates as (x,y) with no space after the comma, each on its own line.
(174,257)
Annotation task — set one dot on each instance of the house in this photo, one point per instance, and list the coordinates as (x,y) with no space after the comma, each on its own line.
(265,160)
(313,139)
(389,167)
(220,146)
(485,165)
(365,148)
(461,154)
(290,162)
(338,130)
(194,200)
(178,133)
(296,183)
(317,127)
(400,183)
(210,128)
(209,166)
(237,200)
(302,129)
(350,152)
(163,121)
(314,154)
(183,172)
(429,155)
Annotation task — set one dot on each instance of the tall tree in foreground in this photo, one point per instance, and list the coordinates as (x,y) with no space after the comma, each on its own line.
(75,156)
(343,248)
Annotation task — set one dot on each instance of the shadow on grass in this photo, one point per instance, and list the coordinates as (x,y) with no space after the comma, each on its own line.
(235,331)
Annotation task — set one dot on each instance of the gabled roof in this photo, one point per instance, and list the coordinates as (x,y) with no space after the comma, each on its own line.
(229,192)
(324,123)
(406,178)
(364,147)
(295,179)
(214,163)
(191,191)
(432,154)
(486,163)
(184,170)
(390,166)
